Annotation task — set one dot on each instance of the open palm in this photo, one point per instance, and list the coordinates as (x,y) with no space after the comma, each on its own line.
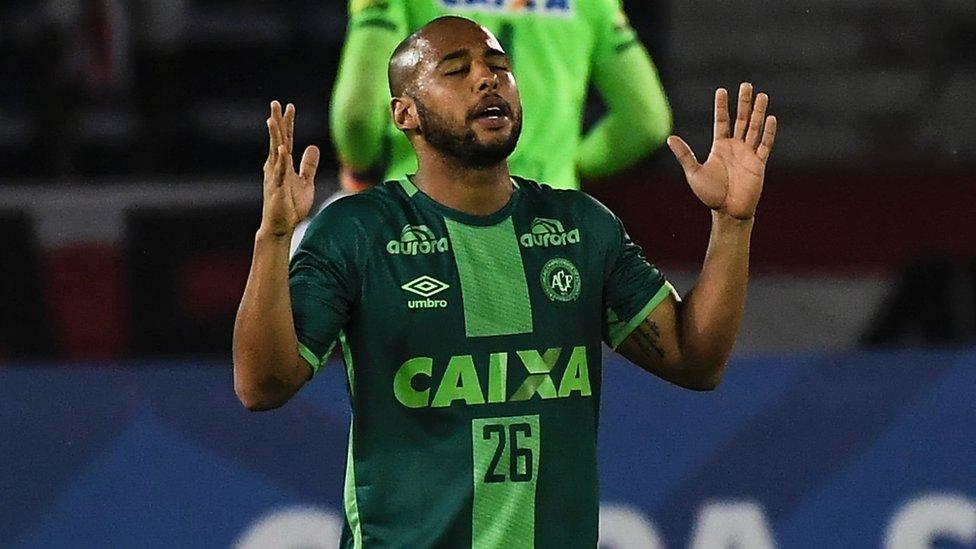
(287,195)
(731,179)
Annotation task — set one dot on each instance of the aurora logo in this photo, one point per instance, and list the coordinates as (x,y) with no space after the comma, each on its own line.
(548,232)
(417,240)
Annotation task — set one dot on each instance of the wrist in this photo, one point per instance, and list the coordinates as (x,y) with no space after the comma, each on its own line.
(730,225)
(270,235)
(731,220)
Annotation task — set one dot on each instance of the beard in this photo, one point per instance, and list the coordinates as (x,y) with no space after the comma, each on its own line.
(463,144)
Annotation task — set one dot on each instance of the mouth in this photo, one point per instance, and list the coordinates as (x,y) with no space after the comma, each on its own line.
(492,109)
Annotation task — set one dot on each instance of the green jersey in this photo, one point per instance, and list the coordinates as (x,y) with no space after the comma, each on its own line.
(472,347)
(556,48)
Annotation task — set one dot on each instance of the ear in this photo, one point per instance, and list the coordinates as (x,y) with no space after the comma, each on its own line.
(405,115)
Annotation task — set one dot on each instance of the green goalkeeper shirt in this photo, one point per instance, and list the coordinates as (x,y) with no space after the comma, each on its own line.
(472,347)
(557,47)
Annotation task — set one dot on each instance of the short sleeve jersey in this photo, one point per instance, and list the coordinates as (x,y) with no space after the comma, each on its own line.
(553,45)
(472,348)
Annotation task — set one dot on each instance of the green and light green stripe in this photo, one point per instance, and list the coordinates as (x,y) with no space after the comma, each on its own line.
(350,502)
(493,285)
(503,513)
(314,361)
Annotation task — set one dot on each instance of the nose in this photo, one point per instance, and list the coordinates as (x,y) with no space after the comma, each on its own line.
(487,79)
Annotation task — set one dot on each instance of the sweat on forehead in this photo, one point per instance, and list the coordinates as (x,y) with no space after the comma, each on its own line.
(440,34)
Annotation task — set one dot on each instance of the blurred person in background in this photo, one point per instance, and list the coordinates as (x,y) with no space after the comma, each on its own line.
(102,70)
(160,27)
(78,55)
(557,47)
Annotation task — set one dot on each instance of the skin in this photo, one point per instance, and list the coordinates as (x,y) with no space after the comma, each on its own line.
(688,342)
(267,367)
(448,70)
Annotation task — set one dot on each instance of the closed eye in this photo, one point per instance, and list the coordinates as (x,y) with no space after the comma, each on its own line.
(456,71)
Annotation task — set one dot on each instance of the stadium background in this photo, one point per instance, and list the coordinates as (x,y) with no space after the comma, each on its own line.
(131,138)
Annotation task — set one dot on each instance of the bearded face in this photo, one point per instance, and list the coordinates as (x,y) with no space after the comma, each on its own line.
(484,135)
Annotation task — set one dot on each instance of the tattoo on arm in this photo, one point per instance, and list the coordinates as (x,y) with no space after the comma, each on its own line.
(648,338)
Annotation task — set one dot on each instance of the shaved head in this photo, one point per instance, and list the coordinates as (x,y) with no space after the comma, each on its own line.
(415,49)
(454,94)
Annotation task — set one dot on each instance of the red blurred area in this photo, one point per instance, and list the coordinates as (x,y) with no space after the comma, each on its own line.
(88,300)
(210,285)
(821,221)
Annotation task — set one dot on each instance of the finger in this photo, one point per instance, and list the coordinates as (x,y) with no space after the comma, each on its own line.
(755,131)
(284,163)
(721,128)
(289,127)
(274,127)
(272,146)
(310,164)
(684,154)
(276,110)
(769,136)
(742,110)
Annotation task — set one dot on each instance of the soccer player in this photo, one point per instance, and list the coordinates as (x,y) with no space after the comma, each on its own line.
(559,46)
(470,306)
(556,48)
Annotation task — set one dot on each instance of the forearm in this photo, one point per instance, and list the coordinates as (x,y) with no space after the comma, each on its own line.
(267,367)
(638,121)
(709,316)
(359,112)
(620,140)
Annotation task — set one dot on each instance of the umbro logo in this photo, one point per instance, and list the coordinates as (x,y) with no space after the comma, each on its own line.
(426,286)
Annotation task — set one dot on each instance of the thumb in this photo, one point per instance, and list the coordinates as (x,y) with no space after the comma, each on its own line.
(684,154)
(310,164)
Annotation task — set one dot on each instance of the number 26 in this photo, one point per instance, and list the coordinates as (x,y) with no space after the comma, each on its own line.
(520,459)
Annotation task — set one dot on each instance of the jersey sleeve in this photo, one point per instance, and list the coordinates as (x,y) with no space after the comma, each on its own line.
(324,279)
(639,116)
(360,99)
(632,286)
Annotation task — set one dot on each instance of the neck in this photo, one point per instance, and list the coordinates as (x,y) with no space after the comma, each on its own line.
(472,190)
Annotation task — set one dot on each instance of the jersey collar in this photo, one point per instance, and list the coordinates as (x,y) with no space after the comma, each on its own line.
(422,198)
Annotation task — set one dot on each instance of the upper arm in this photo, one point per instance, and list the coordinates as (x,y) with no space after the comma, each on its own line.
(642,309)
(325,281)
(654,345)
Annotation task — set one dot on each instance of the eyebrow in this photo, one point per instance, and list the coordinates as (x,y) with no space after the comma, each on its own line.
(457,54)
(451,56)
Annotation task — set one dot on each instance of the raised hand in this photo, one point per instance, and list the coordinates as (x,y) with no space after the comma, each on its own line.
(731,179)
(287,195)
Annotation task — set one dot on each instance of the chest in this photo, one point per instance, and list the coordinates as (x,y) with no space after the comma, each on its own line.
(535,278)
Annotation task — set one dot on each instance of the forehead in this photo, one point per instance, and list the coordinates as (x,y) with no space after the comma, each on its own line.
(457,36)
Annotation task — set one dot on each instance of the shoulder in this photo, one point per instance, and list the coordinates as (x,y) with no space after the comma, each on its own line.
(572,210)
(578,203)
(355,216)
(375,201)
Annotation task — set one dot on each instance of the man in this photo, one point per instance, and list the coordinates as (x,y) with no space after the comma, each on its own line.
(470,307)
(556,47)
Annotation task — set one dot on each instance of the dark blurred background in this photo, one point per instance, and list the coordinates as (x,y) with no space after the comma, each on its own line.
(132,133)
